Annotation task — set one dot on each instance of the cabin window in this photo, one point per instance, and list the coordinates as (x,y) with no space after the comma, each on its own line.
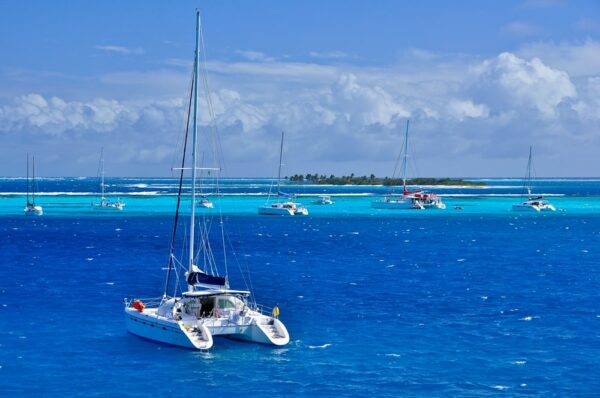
(225,304)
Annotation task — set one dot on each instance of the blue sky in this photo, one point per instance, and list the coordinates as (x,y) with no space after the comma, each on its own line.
(480,81)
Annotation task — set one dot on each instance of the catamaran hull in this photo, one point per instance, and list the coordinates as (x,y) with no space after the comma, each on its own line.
(274,211)
(396,205)
(437,205)
(533,209)
(151,327)
(34,211)
(156,329)
(107,208)
(526,208)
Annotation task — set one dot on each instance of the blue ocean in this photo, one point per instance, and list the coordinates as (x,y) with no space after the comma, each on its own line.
(471,301)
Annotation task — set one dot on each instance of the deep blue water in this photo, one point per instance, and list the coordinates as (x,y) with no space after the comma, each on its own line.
(444,304)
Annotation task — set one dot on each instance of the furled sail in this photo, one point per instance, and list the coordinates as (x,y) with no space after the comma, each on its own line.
(201,278)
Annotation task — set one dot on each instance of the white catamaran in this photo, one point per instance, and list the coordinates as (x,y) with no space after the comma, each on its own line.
(324,200)
(533,203)
(282,207)
(31,209)
(418,200)
(208,307)
(104,203)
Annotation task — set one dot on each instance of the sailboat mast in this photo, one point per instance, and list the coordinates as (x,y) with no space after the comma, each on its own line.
(529,172)
(404,157)
(194,144)
(279,171)
(33,180)
(102,173)
(28,178)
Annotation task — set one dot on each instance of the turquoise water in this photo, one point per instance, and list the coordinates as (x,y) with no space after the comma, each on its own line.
(473,302)
(62,205)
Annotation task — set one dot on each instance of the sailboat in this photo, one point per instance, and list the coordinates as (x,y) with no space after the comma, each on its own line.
(324,200)
(204,201)
(31,209)
(208,307)
(418,200)
(106,204)
(282,207)
(533,203)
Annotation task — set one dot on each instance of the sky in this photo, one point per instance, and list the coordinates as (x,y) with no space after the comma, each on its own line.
(480,81)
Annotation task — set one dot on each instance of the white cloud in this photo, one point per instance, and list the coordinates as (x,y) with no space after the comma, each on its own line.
(328,54)
(577,59)
(364,105)
(462,109)
(516,82)
(522,28)
(255,56)
(121,49)
(345,115)
(56,116)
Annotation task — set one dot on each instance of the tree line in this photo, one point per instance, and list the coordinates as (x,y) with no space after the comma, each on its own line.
(322,179)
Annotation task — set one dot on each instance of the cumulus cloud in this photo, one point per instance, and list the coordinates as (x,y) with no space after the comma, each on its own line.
(516,82)
(577,59)
(55,116)
(344,115)
(362,104)
(462,109)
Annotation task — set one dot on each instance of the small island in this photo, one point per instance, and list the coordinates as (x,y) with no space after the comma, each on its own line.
(372,180)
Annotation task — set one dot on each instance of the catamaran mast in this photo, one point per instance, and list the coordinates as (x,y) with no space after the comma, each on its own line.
(279,171)
(33,180)
(194,143)
(404,158)
(529,173)
(102,175)
(28,179)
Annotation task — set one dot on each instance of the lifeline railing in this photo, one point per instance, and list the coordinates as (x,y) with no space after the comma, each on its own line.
(148,302)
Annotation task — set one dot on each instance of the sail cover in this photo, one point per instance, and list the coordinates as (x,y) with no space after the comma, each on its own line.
(195,278)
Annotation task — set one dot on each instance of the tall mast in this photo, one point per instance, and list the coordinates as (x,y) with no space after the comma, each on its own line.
(27,178)
(529,173)
(404,158)
(102,173)
(279,171)
(33,180)
(194,144)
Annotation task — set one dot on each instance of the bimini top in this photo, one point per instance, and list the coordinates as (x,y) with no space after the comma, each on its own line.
(214,292)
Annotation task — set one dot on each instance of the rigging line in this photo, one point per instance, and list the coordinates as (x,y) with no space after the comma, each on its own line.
(247,283)
(183,250)
(175,222)
(208,252)
(184,126)
(203,244)
(217,145)
(222,228)
(398,160)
